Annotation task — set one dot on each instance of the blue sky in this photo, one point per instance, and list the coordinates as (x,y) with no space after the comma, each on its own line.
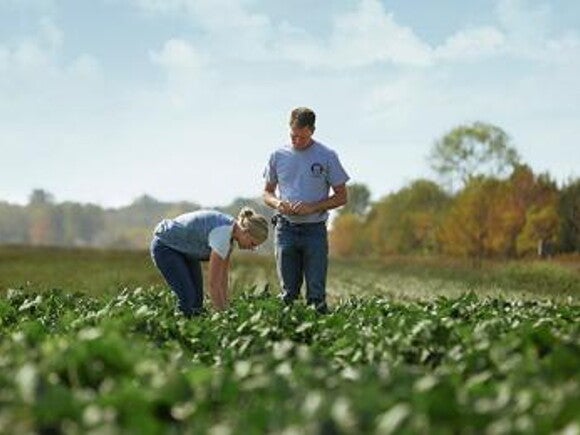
(104,100)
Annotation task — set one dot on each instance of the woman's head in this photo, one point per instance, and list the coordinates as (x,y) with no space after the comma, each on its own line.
(254,228)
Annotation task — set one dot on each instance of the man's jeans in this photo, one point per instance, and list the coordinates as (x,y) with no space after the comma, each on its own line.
(182,273)
(302,253)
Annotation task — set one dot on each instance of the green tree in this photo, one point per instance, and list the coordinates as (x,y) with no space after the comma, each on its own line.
(13,224)
(569,212)
(541,230)
(40,197)
(527,191)
(131,226)
(358,200)
(43,220)
(347,235)
(475,226)
(406,221)
(473,150)
(81,224)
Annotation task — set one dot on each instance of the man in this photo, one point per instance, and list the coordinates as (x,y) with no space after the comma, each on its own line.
(303,173)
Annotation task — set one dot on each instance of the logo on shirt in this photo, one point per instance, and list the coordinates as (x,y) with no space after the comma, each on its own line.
(317,170)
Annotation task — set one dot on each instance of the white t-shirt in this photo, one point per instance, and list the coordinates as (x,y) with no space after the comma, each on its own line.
(220,240)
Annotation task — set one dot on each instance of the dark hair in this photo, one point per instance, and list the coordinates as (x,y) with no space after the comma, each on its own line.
(303,117)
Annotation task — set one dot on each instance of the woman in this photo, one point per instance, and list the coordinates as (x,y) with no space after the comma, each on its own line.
(179,245)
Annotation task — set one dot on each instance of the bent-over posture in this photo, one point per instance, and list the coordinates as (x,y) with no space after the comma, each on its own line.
(180,245)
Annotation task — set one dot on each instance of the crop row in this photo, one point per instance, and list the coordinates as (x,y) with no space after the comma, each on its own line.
(70,363)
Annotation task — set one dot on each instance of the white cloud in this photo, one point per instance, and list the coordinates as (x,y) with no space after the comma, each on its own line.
(4,58)
(212,15)
(393,99)
(224,15)
(524,20)
(34,60)
(216,99)
(233,31)
(183,65)
(50,33)
(178,56)
(35,52)
(229,29)
(370,34)
(565,49)
(42,6)
(531,32)
(471,44)
(29,56)
(366,36)
(362,37)
(35,79)
(86,66)
(524,30)
(163,6)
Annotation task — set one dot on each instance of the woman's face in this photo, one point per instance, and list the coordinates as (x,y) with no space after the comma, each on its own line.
(246,241)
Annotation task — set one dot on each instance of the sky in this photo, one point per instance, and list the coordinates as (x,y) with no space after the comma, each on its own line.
(102,101)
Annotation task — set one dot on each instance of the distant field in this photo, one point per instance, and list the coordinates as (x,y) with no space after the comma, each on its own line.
(90,343)
(75,270)
(425,278)
(99,272)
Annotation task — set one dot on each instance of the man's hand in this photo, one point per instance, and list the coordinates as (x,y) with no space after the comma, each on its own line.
(284,207)
(303,208)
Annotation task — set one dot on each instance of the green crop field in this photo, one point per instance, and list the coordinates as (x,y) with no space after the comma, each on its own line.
(90,343)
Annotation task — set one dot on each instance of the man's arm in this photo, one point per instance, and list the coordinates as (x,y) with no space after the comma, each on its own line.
(337,199)
(271,200)
(269,196)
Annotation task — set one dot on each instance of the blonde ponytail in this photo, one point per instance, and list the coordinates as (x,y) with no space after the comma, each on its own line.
(254,223)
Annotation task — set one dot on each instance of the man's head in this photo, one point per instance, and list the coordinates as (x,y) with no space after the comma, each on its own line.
(302,120)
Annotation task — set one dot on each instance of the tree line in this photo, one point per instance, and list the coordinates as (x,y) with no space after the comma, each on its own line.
(487,204)
(45,222)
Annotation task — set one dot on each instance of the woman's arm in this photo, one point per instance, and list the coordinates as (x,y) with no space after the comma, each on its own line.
(218,280)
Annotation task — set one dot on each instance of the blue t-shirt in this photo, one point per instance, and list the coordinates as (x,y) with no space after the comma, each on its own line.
(198,233)
(305,175)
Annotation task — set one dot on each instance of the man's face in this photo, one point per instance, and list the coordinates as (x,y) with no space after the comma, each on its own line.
(301,137)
